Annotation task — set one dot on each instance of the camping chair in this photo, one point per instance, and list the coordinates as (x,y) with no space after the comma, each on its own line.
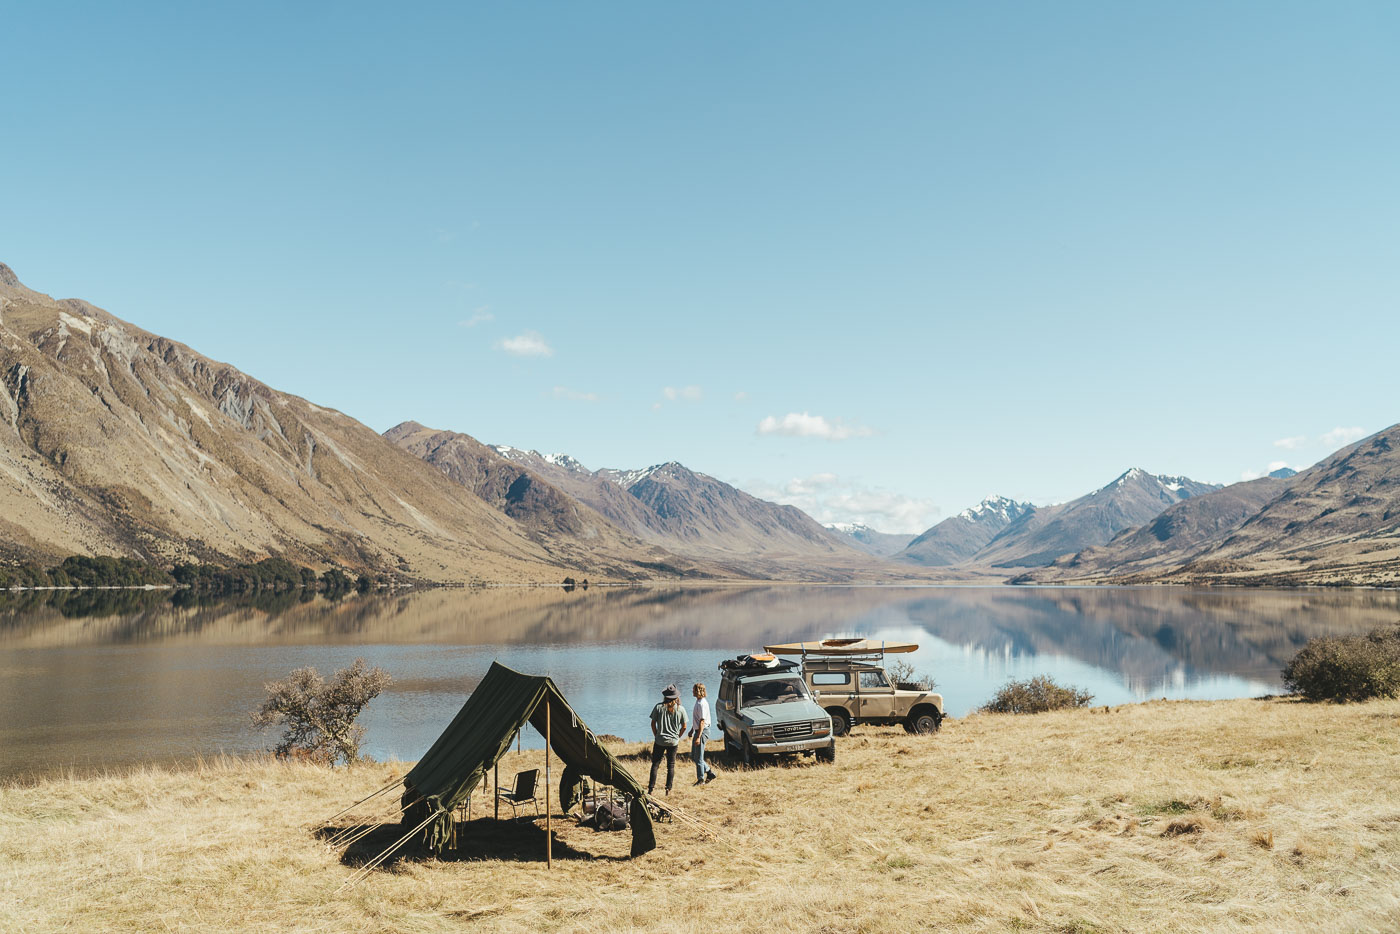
(523,791)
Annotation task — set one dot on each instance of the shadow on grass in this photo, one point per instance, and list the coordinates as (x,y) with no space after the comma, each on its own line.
(638,762)
(485,838)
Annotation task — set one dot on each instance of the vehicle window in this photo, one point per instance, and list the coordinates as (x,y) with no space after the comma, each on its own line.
(778,691)
(726,691)
(831,677)
(873,679)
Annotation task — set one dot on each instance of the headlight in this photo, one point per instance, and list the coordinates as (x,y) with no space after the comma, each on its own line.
(821,727)
(762,732)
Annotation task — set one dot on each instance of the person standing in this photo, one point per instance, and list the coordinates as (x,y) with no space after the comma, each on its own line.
(667,726)
(700,734)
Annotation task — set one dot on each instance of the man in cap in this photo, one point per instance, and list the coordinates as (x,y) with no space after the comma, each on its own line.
(668,725)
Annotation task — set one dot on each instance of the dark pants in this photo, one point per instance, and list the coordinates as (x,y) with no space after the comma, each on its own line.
(657,751)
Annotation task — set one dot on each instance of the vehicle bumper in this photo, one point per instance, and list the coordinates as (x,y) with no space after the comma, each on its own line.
(795,745)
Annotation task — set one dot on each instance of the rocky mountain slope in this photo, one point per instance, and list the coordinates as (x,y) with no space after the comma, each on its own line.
(1040,536)
(118,441)
(1174,538)
(883,544)
(958,538)
(1336,522)
(686,512)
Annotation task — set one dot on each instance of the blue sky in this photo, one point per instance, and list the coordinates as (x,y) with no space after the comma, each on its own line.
(879,260)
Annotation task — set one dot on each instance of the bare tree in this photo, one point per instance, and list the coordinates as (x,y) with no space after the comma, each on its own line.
(320,717)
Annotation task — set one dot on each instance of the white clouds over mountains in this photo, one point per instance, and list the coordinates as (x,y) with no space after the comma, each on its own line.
(1336,438)
(829,499)
(806,425)
(1339,436)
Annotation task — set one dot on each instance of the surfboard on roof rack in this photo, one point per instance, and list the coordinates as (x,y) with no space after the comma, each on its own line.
(842,647)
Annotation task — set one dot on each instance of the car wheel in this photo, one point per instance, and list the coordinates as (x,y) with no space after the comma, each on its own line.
(747,753)
(840,721)
(827,753)
(925,722)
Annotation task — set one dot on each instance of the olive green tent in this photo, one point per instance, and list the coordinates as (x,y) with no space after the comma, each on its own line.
(482,732)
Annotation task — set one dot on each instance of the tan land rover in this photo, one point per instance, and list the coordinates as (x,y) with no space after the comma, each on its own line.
(848,680)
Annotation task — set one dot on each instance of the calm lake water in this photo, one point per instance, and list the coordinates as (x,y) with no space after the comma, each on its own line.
(95,680)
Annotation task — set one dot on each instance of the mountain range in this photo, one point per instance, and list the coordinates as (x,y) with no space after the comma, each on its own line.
(117,441)
(958,539)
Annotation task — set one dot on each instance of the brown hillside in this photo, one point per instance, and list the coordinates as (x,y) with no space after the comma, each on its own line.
(116,440)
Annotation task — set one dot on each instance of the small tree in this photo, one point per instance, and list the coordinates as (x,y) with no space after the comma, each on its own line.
(901,672)
(320,716)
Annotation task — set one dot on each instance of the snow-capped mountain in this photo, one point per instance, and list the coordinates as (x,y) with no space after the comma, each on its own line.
(958,538)
(865,538)
(1134,498)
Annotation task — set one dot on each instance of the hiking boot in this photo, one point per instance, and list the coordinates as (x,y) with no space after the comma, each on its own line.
(708,778)
(699,781)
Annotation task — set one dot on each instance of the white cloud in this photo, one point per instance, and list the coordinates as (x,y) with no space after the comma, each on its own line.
(683,393)
(1340,436)
(806,425)
(1291,444)
(829,499)
(529,344)
(799,486)
(1250,475)
(574,395)
(1278,465)
(741,396)
(480,315)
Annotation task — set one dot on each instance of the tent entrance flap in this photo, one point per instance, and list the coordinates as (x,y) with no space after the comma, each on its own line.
(480,735)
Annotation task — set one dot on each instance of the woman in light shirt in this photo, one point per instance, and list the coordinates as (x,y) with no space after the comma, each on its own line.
(700,734)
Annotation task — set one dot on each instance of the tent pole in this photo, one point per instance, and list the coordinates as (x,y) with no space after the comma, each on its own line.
(497,780)
(548,826)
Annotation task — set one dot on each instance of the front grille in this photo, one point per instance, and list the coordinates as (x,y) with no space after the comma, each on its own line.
(792,731)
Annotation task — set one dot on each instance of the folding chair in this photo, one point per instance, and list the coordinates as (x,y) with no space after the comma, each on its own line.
(524,790)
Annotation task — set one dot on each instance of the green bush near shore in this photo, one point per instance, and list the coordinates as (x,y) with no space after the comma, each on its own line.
(1036,695)
(1353,668)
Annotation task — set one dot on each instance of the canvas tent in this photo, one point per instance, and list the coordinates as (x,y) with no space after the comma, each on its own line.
(482,732)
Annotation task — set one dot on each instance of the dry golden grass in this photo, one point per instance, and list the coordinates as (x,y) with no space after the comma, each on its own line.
(1190,816)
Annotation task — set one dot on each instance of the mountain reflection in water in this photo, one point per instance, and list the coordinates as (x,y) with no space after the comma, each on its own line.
(108,677)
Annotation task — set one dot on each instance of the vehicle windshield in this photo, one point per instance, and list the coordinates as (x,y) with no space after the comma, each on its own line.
(777,691)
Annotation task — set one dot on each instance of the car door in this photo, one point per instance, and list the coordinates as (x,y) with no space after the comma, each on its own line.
(876,695)
(834,689)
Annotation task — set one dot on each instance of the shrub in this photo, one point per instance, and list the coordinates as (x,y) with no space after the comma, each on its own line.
(320,717)
(1036,695)
(1353,668)
(902,673)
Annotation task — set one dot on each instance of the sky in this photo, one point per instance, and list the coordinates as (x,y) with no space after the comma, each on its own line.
(877,260)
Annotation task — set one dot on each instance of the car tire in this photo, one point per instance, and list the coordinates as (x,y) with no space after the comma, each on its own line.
(827,753)
(924,722)
(750,758)
(840,721)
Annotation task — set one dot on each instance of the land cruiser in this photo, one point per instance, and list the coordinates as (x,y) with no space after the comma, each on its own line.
(848,679)
(765,708)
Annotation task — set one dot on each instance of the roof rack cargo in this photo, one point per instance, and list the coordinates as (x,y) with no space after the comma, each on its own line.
(757,662)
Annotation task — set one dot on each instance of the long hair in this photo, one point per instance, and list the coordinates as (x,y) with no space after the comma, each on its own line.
(699,689)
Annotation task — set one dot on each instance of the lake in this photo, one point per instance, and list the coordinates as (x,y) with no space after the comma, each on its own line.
(99,679)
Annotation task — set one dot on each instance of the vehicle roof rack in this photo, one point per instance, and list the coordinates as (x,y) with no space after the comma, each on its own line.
(842,648)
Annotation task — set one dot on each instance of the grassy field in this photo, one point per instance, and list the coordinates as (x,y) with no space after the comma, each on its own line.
(1250,815)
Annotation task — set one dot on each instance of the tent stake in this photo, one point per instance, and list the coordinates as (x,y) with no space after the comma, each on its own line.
(548,826)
